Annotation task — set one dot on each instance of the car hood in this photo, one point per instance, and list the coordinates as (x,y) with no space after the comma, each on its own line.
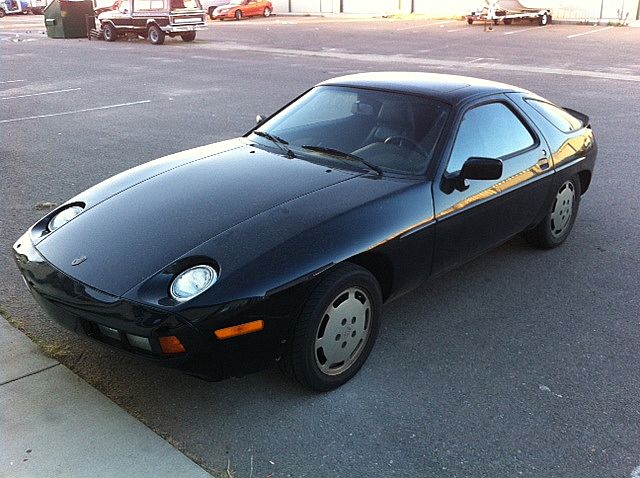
(138,222)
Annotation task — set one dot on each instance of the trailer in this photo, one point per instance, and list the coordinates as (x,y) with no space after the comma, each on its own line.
(506,11)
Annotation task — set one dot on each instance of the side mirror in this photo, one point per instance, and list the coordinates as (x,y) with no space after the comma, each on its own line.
(260,119)
(481,168)
(473,168)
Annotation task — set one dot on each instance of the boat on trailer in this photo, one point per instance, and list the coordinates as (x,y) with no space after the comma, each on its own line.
(506,11)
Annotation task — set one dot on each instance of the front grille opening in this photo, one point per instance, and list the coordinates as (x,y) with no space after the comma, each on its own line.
(117,338)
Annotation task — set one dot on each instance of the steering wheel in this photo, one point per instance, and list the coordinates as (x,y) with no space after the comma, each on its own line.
(402,140)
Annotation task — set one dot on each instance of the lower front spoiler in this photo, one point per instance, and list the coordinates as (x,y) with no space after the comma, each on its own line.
(137,329)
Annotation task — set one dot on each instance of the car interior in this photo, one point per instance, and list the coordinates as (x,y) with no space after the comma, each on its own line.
(393,131)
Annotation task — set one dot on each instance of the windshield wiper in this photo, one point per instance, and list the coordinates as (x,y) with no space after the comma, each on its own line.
(278,142)
(342,154)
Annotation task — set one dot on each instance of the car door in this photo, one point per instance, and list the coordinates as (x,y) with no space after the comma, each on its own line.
(483,213)
(249,9)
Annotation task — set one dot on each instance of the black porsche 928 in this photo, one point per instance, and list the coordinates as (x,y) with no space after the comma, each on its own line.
(282,245)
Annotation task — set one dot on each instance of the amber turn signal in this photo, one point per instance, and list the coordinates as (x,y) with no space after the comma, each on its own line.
(171,345)
(234,331)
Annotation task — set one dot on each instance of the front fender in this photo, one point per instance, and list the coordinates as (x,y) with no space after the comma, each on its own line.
(300,239)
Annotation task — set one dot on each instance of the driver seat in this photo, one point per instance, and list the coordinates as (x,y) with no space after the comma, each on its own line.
(395,118)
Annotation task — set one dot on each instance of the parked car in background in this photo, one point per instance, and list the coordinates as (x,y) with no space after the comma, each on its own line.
(210,5)
(8,7)
(243,8)
(153,19)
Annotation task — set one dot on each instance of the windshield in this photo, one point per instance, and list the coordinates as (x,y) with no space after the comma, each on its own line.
(393,131)
(236,2)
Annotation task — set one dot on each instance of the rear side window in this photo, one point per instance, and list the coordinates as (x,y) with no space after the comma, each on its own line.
(558,117)
(489,131)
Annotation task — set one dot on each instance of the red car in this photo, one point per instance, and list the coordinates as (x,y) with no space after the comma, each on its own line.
(242,8)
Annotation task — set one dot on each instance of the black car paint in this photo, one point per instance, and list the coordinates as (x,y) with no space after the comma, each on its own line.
(272,249)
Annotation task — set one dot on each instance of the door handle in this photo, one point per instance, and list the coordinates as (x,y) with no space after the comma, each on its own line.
(543,163)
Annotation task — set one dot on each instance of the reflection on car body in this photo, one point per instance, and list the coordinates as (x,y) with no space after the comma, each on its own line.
(282,245)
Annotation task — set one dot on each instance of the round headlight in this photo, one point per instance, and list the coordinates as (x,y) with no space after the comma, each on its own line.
(192,282)
(64,217)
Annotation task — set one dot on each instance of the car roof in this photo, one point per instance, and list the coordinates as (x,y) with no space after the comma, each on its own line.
(449,88)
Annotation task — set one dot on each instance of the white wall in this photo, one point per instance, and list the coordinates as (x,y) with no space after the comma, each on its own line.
(562,9)
(280,6)
(446,9)
(370,6)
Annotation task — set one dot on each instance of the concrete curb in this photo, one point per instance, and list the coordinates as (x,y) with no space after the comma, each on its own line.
(55,424)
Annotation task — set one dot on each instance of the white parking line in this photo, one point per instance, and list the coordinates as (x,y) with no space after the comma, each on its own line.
(443,22)
(421,62)
(521,30)
(589,32)
(75,111)
(39,94)
(11,81)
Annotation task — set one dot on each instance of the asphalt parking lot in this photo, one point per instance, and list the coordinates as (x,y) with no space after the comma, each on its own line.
(520,363)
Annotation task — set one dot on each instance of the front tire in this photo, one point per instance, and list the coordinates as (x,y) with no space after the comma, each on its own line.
(554,229)
(238,15)
(336,329)
(155,35)
(267,12)
(543,19)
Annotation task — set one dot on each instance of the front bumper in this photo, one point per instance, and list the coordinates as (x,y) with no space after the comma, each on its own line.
(136,328)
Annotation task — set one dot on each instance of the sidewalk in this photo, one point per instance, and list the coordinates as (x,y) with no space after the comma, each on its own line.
(53,424)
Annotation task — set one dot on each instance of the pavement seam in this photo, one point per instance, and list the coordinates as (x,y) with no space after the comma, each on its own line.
(30,374)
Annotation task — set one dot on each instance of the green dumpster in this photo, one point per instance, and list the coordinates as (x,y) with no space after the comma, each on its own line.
(67,18)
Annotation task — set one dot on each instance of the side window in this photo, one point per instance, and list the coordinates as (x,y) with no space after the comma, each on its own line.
(489,131)
(558,117)
(147,5)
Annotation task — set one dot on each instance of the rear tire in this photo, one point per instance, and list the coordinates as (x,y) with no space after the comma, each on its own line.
(336,329)
(238,15)
(470,21)
(2,13)
(188,36)
(155,35)
(554,229)
(210,12)
(267,12)
(507,21)
(109,32)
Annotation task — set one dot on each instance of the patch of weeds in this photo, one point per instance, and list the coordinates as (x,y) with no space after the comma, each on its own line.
(13,321)
(52,350)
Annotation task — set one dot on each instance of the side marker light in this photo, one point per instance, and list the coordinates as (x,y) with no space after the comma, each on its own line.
(171,345)
(242,329)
